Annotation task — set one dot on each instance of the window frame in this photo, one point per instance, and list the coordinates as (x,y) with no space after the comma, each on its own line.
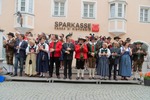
(59,8)
(0,7)
(143,16)
(88,2)
(116,15)
(18,6)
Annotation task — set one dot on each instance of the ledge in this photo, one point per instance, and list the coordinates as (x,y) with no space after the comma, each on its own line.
(55,80)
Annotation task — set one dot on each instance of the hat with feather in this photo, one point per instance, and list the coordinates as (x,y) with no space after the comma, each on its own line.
(92,37)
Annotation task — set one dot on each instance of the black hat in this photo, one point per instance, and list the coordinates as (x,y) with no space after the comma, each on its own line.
(11,34)
(117,37)
(68,35)
(80,38)
(92,37)
(138,42)
(128,39)
(109,37)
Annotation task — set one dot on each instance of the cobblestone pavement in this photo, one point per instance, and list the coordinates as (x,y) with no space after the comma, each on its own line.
(64,91)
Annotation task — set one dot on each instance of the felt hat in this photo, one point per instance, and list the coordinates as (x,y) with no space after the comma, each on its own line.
(11,34)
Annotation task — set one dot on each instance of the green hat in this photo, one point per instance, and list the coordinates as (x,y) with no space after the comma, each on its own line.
(138,42)
(68,35)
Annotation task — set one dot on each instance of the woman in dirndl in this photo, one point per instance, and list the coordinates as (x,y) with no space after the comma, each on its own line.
(125,67)
(42,58)
(103,64)
(31,51)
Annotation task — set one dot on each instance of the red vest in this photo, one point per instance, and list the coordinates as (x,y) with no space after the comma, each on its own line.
(57,47)
(80,52)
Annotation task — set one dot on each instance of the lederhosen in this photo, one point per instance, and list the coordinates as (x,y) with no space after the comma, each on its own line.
(92,60)
(9,51)
(138,59)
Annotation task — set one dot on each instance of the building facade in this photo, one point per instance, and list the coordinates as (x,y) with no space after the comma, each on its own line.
(126,18)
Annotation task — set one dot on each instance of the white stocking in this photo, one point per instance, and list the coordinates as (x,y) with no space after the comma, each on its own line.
(82,73)
(78,73)
(90,72)
(93,72)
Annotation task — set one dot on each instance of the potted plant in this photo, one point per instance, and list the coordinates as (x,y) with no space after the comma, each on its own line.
(147,79)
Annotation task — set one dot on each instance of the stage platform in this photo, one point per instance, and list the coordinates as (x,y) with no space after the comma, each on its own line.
(73,80)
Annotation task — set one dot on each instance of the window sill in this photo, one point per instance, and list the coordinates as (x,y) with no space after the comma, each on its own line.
(88,18)
(117,18)
(145,22)
(26,13)
(58,16)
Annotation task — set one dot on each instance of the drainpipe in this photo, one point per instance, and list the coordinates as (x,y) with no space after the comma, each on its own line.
(1,45)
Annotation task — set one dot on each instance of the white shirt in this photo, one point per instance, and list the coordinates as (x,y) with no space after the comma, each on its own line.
(19,46)
(108,52)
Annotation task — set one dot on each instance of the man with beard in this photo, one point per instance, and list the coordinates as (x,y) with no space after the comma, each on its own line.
(138,59)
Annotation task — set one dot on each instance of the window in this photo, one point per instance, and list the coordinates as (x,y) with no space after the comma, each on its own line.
(112,10)
(120,10)
(117,10)
(0,7)
(59,8)
(30,10)
(24,6)
(145,14)
(88,10)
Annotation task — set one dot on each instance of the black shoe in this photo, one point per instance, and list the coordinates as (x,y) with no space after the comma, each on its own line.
(90,78)
(82,78)
(50,76)
(115,79)
(10,74)
(138,79)
(77,78)
(65,77)
(70,78)
(93,78)
(58,77)
(41,76)
(126,79)
(30,75)
(134,79)
(14,75)
(20,75)
(7,73)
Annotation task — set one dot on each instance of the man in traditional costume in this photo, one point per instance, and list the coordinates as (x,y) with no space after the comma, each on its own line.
(9,49)
(68,49)
(81,55)
(92,55)
(138,59)
(55,48)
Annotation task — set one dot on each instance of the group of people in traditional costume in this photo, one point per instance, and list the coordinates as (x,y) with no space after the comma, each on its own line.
(43,54)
